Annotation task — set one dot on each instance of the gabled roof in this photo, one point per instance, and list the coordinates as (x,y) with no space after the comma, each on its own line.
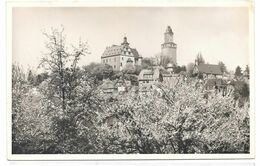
(123,49)
(135,53)
(113,50)
(209,69)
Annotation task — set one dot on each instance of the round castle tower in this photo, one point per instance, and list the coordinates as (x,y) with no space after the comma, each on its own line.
(169,47)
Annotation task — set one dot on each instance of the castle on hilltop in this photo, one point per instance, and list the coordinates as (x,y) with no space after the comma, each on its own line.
(118,56)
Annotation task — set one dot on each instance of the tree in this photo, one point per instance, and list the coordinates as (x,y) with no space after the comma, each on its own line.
(30,77)
(238,71)
(40,78)
(147,63)
(175,120)
(190,68)
(247,70)
(129,69)
(98,71)
(199,59)
(73,93)
(138,69)
(183,68)
(62,64)
(178,69)
(165,60)
(223,67)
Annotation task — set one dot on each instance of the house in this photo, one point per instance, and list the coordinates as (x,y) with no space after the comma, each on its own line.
(122,85)
(219,86)
(117,86)
(170,67)
(108,86)
(117,56)
(150,76)
(208,70)
(169,77)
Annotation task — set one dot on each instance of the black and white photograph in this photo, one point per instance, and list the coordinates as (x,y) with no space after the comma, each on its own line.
(166,81)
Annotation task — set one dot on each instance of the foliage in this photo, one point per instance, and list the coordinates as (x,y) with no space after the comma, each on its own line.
(99,71)
(178,69)
(40,78)
(62,64)
(169,119)
(190,68)
(176,122)
(247,71)
(238,71)
(147,63)
(165,60)
(138,69)
(30,77)
(199,59)
(66,111)
(129,68)
(223,67)
(241,91)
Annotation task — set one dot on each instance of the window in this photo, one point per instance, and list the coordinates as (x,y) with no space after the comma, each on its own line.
(115,59)
(114,66)
(148,76)
(122,58)
(121,64)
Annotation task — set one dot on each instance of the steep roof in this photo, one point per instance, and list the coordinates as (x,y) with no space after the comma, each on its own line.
(113,50)
(135,53)
(209,69)
(169,29)
(123,49)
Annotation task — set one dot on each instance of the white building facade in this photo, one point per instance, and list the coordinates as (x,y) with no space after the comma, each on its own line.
(118,56)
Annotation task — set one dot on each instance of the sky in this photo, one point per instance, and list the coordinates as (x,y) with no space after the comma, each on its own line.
(219,33)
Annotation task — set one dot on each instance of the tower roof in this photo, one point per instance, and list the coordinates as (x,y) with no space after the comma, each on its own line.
(169,30)
(123,49)
(125,41)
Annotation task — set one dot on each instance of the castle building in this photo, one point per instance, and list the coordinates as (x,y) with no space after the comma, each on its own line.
(168,51)
(118,56)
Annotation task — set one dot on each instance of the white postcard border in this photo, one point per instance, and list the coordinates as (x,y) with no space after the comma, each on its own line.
(136,3)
